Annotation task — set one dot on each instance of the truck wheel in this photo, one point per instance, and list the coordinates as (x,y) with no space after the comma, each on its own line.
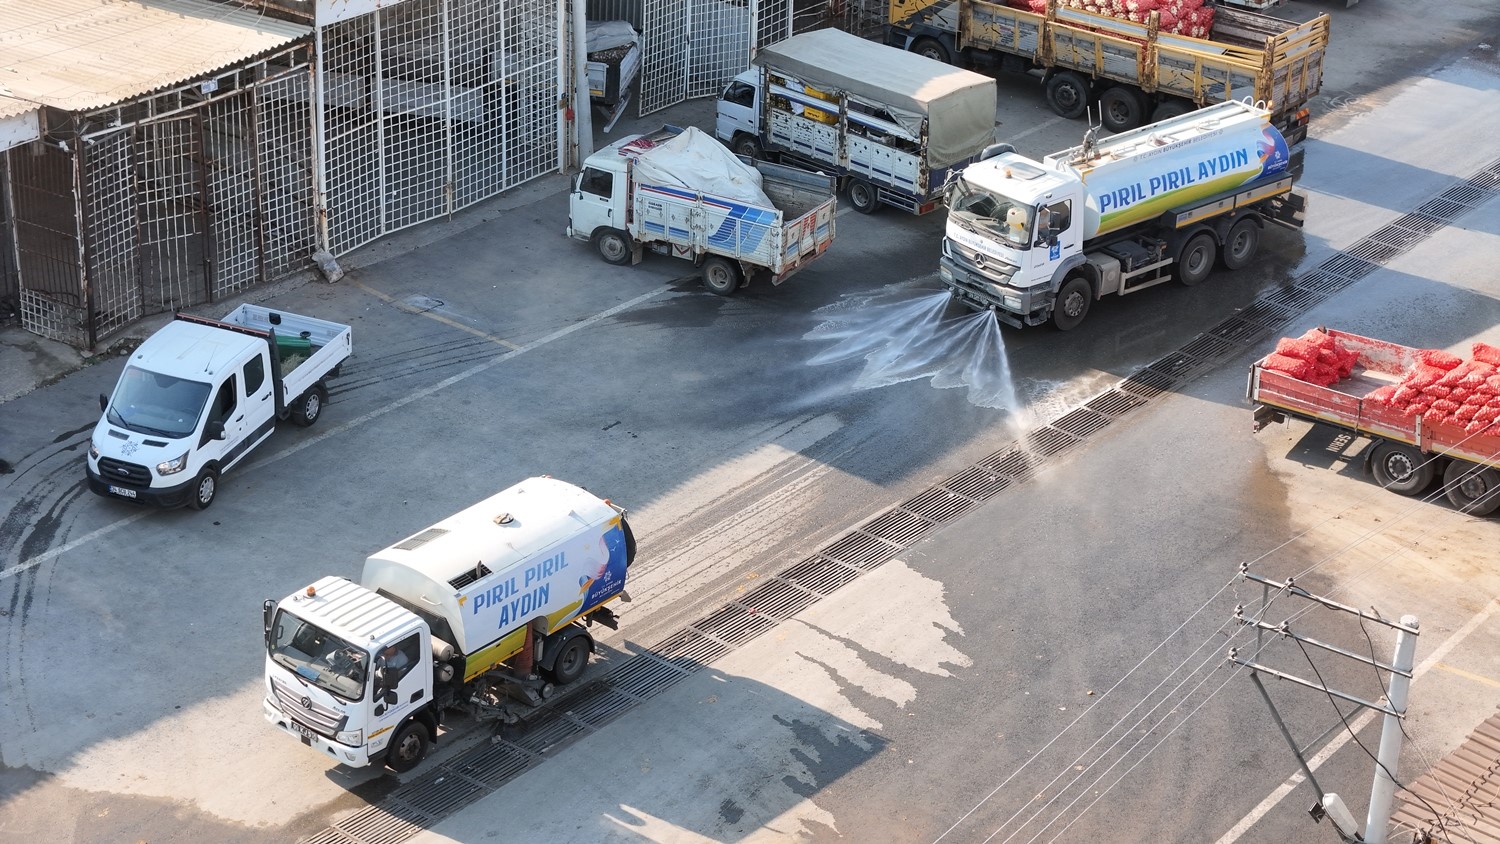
(408,747)
(745,145)
(863,196)
(933,49)
(1168,109)
(1471,488)
(1196,259)
(204,489)
(1121,109)
(307,409)
(1240,245)
(1072,303)
(1401,469)
(721,276)
(613,246)
(571,661)
(1068,94)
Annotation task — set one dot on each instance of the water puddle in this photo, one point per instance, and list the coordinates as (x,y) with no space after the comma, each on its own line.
(903,333)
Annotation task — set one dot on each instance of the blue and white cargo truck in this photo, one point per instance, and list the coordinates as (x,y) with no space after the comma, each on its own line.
(679,192)
(487,605)
(890,124)
(200,394)
(1039,241)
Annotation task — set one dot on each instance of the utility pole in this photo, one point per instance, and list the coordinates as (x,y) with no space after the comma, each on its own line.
(1394,709)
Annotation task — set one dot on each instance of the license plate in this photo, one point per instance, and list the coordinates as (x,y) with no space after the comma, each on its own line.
(306,733)
(122,491)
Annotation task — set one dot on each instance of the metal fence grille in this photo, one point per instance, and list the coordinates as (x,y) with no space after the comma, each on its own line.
(170,205)
(48,250)
(432,105)
(112,278)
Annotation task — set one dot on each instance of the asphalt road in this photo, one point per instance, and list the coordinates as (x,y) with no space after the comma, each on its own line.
(501,350)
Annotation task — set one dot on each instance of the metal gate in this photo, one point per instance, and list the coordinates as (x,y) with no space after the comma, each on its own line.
(171,213)
(432,105)
(692,48)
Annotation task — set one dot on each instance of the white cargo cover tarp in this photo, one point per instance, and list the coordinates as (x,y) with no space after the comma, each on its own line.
(606,35)
(697,162)
(959,106)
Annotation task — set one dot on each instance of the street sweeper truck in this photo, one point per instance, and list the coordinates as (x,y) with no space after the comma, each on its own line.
(485,611)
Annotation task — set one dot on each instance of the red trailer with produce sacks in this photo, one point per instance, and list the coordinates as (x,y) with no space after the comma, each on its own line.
(1427,413)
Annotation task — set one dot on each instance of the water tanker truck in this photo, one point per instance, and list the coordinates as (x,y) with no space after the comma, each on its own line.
(1039,241)
(484,612)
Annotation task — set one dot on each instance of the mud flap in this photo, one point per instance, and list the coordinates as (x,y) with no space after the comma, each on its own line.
(1289,210)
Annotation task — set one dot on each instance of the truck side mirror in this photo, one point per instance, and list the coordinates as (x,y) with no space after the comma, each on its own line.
(267,612)
(103,402)
(214,429)
(390,697)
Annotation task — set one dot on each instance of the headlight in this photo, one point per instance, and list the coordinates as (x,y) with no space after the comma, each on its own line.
(94,450)
(173,466)
(945,274)
(353,738)
(1012,302)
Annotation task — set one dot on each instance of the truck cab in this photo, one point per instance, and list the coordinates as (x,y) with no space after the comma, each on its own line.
(737,118)
(346,668)
(1017,222)
(599,200)
(191,402)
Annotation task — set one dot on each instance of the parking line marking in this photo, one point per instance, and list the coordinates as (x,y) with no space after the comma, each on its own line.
(448,321)
(357,421)
(1468,675)
(1359,723)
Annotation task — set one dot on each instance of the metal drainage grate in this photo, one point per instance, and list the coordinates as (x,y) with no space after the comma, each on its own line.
(1417,222)
(734,625)
(1347,266)
(1009,462)
(1398,237)
(1208,348)
(377,824)
(976,483)
(1047,441)
(862,550)
(939,505)
(778,599)
(1081,422)
(1266,314)
(644,676)
(1323,282)
(436,796)
(495,764)
(1238,330)
(1147,383)
(1295,298)
(598,706)
(1175,365)
(1443,209)
(1114,403)
(819,575)
(688,649)
(898,526)
(548,735)
(1373,251)
(1470,194)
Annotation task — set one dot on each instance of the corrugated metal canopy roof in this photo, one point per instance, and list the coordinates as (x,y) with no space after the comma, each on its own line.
(10,107)
(77,55)
(1464,787)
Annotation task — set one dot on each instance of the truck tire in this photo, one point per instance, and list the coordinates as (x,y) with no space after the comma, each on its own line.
(932,49)
(721,276)
(1067,93)
(745,145)
(1122,108)
(205,489)
(1471,488)
(571,660)
(408,748)
(1240,244)
(613,246)
(1401,469)
(307,409)
(1170,108)
(1195,261)
(1072,303)
(863,196)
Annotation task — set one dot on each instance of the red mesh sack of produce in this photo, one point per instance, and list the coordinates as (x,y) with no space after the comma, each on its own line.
(1439,358)
(1493,383)
(1166,20)
(1206,20)
(1494,402)
(1322,375)
(1487,414)
(1142,5)
(1328,357)
(1460,395)
(1295,367)
(1415,408)
(1404,395)
(1465,413)
(1348,359)
(1444,406)
(1436,391)
(1298,348)
(1385,396)
(1485,353)
(1479,426)
(1424,376)
(1318,337)
(1476,373)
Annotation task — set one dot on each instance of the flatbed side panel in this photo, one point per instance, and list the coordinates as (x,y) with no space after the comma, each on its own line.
(707,223)
(804,240)
(1378,355)
(331,344)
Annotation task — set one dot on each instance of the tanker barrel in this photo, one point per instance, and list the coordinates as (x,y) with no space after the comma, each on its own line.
(441,651)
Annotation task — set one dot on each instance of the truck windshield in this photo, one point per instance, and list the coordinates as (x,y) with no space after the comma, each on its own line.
(318,656)
(988,213)
(151,403)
